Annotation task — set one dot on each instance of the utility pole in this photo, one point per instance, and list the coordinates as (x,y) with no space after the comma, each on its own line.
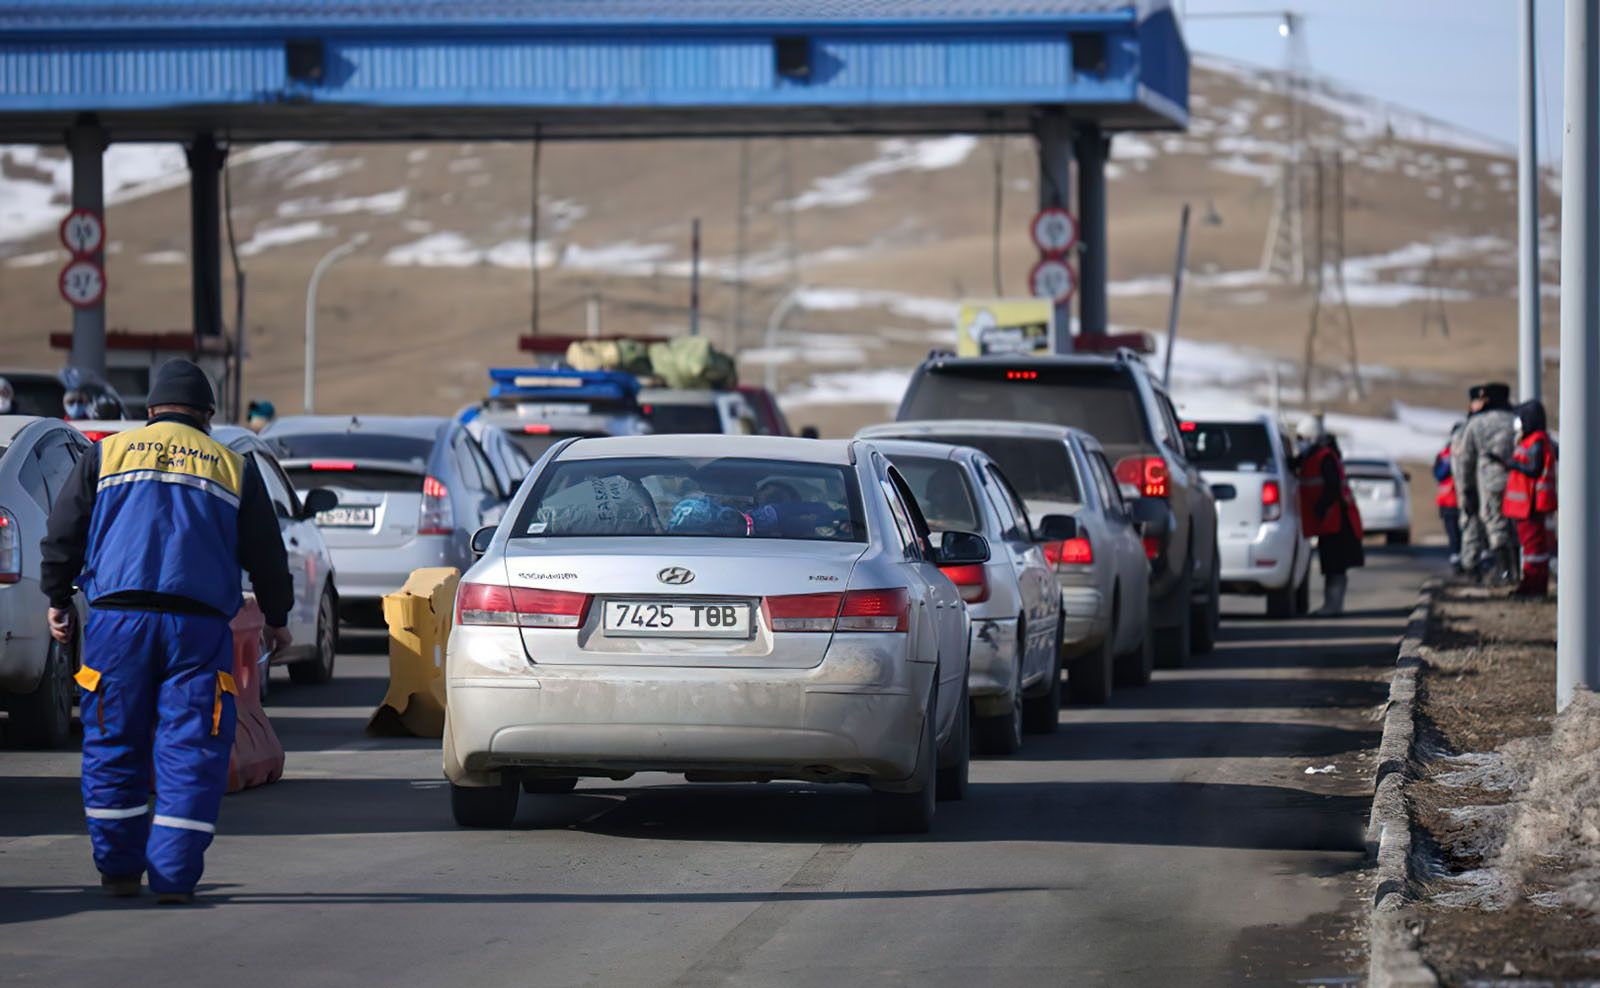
(332,257)
(694,278)
(1330,302)
(1530,362)
(741,244)
(1577,619)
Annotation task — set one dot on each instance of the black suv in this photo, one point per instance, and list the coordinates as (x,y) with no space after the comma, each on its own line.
(1115,399)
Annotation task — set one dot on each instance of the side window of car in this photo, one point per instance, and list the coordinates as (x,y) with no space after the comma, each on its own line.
(919,524)
(902,521)
(1170,418)
(998,501)
(31,474)
(282,496)
(55,465)
(474,466)
(1107,482)
(1014,503)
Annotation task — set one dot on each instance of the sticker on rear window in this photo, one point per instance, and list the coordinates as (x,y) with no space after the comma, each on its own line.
(537,527)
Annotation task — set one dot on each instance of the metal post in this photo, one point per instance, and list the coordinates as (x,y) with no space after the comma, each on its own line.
(1093,149)
(1577,619)
(1177,293)
(205,236)
(780,312)
(694,278)
(592,316)
(1530,364)
(328,260)
(87,143)
(1054,134)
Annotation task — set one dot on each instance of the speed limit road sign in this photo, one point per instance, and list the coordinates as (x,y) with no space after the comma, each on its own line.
(1055,231)
(83,233)
(1053,278)
(83,284)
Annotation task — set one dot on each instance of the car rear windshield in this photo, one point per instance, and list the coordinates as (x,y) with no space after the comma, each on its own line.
(1101,400)
(354,446)
(1368,468)
(1039,469)
(37,396)
(350,478)
(535,443)
(1237,446)
(707,497)
(942,490)
(671,419)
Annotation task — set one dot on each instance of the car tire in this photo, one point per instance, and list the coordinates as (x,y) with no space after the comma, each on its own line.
(1280,603)
(485,806)
(1302,595)
(1172,644)
(319,668)
(1207,618)
(43,718)
(956,757)
(1089,677)
(1136,667)
(912,812)
(1002,734)
(548,787)
(1042,714)
(1398,538)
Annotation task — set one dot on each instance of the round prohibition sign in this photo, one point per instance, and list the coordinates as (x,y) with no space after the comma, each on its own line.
(83,233)
(1053,278)
(83,284)
(1055,231)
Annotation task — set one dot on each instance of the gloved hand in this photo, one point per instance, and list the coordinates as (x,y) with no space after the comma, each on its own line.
(62,621)
(279,639)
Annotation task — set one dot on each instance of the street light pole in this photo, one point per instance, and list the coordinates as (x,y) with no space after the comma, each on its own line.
(1577,619)
(328,260)
(780,312)
(1530,359)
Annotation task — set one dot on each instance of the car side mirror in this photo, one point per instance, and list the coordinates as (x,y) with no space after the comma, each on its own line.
(316,501)
(1224,492)
(1152,515)
(961,549)
(481,540)
(809,432)
(1057,528)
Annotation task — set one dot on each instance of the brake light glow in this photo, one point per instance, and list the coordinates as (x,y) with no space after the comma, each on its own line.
(1072,552)
(1187,426)
(1271,501)
(333,465)
(1152,547)
(520,607)
(10,549)
(94,435)
(1022,375)
(1146,474)
(855,610)
(971,580)
(536,429)
(436,516)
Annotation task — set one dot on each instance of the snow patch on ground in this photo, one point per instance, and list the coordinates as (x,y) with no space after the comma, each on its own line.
(937,310)
(854,184)
(165,257)
(38,258)
(325,171)
(267,237)
(379,204)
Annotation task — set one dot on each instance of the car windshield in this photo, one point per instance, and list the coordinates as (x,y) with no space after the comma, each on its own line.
(676,419)
(535,443)
(37,396)
(354,446)
(942,490)
(1039,469)
(1229,446)
(707,497)
(1102,401)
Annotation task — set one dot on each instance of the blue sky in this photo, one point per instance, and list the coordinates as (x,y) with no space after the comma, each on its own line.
(1451,59)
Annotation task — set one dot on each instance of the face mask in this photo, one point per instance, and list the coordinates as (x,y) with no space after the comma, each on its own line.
(77,411)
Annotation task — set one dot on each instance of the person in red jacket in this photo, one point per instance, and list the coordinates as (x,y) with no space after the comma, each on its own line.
(1328,511)
(1531,497)
(1449,506)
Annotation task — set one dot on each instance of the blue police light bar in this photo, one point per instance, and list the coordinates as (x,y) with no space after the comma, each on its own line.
(553,384)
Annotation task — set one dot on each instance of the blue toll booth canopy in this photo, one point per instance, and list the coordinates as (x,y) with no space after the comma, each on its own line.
(423,69)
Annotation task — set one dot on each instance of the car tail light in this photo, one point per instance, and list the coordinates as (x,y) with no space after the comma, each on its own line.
(519,607)
(1152,547)
(804,611)
(437,517)
(1072,552)
(971,580)
(333,465)
(1271,501)
(1146,474)
(10,548)
(95,435)
(536,429)
(875,610)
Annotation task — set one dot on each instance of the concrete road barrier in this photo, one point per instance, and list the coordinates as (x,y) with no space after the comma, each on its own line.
(419,615)
(257,756)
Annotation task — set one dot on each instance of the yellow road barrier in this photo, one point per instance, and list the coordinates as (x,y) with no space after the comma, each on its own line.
(419,615)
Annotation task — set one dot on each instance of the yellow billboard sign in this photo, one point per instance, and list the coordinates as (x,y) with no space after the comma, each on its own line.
(1001,326)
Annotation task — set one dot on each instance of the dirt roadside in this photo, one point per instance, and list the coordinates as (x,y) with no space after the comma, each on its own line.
(1504,892)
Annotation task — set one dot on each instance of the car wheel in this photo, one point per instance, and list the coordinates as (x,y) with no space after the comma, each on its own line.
(912,812)
(486,806)
(548,787)
(1280,603)
(43,718)
(319,668)
(1207,616)
(956,757)
(1399,538)
(1172,644)
(1002,734)
(1089,676)
(1134,668)
(1302,595)
(1042,714)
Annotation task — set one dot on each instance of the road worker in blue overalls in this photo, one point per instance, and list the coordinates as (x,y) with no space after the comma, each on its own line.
(154,525)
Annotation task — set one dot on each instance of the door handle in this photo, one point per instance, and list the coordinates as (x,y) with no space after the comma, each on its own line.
(294,541)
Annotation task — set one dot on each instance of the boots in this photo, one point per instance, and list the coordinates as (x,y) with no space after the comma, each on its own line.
(1506,566)
(1333,595)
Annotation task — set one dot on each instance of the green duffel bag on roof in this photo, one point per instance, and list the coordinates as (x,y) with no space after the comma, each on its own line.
(692,362)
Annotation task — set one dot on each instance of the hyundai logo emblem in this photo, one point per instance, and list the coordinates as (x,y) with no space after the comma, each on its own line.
(675,575)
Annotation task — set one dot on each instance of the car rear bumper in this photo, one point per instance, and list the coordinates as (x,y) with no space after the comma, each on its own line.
(366,575)
(22,645)
(857,716)
(1379,518)
(1083,616)
(1265,562)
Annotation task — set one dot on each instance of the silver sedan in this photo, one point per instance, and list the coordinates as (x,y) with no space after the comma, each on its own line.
(731,608)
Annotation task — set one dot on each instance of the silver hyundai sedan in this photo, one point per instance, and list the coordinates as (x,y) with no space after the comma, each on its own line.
(731,608)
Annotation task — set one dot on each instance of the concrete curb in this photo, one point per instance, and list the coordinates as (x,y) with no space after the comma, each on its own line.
(1394,961)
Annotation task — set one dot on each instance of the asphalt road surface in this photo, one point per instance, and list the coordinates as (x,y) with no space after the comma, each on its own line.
(1171,838)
